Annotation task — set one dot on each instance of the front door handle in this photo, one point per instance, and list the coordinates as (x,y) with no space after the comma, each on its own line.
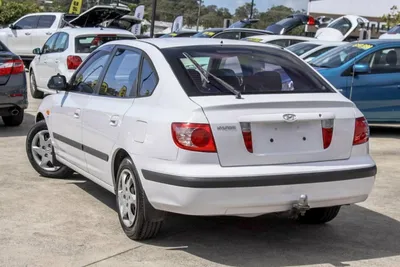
(27,33)
(48,33)
(77,114)
(114,121)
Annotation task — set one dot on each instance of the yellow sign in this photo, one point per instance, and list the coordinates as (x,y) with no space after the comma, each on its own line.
(363,46)
(104,88)
(122,92)
(209,33)
(254,39)
(75,7)
(173,34)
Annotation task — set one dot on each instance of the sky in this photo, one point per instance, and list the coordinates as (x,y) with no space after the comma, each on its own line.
(357,7)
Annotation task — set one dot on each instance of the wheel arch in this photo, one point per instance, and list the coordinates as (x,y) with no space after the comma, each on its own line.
(118,157)
(39,117)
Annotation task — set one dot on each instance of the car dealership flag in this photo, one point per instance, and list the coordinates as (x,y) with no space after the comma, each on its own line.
(75,7)
(139,13)
(178,24)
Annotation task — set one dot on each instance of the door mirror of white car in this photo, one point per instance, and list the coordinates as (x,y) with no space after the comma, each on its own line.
(361,68)
(58,82)
(37,51)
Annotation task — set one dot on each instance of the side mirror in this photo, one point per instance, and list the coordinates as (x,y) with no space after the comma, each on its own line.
(11,26)
(58,82)
(361,68)
(36,51)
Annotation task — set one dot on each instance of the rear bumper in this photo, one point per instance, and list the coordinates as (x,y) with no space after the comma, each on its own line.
(13,94)
(251,195)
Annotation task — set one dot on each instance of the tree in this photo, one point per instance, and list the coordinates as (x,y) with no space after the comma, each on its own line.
(393,17)
(10,11)
(244,11)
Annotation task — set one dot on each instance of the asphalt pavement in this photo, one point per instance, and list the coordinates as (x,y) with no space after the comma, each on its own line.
(73,222)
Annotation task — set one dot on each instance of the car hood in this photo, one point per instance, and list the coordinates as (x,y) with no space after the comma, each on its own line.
(99,14)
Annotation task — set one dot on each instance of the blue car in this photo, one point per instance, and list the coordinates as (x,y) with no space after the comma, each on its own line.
(368,73)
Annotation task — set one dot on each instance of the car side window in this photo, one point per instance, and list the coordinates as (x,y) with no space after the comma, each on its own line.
(383,61)
(229,35)
(49,45)
(148,79)
(122,74)
(85,80)
(46,21)
(231,63)
(293,42)
(62,43)
(282,42)
(27,23)
(250,34)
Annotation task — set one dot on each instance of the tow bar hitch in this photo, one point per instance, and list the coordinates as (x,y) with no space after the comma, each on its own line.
(300,207)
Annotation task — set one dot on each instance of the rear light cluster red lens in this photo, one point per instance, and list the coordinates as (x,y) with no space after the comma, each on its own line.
(247,137)
(327,132)
(361,131)
(193,136)
(311,21)
(73,62)
(13,66)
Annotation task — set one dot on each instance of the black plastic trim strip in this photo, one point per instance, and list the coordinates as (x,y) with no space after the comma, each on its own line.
(89,150)
(258,181)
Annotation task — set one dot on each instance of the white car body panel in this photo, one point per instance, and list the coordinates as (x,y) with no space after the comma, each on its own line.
(330,34)
(167,173)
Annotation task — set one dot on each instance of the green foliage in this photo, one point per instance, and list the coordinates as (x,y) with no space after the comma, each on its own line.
(10,11)
(393,17)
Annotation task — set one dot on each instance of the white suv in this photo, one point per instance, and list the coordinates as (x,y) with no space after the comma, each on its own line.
(64,51)
(146,121)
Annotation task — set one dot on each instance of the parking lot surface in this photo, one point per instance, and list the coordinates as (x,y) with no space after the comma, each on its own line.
(73,222)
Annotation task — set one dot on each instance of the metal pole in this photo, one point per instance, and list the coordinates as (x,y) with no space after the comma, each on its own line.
(153,18)
(198,16)
(251,10)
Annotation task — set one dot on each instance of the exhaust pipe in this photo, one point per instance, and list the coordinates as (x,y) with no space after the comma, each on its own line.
(14,112)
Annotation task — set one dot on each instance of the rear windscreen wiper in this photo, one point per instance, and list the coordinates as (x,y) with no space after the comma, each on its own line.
(204,73)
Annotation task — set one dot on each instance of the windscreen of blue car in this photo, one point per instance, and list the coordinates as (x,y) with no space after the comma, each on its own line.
(250,70)
(340,55)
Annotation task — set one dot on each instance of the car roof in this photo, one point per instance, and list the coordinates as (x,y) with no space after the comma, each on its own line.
(379,41)
(246,30)
(96,30)
(322,42)
(214,30)
(187,41)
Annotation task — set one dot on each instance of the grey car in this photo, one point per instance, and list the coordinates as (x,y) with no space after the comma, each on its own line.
(13,87)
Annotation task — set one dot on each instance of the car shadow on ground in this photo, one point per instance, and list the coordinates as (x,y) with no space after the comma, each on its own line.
(274,240)
(386,131)
(22,130)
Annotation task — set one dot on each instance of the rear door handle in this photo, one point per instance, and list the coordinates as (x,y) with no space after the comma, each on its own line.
(56,61)
(114,121)
(77,114)
(48,33)
(27,33)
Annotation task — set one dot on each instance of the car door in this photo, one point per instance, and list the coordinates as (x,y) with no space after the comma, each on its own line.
(20,37)
(377,92)
(55,58)
(42,70)
(44,30)
(105,111)
(67,112)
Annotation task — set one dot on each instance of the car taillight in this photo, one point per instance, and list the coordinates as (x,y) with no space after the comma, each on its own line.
(361,131)
(247,138)
(327,132)
(13,66)
(193,136)
(73,62)
(311,21)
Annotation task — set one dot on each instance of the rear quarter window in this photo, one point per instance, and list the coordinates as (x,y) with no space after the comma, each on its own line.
(88,43)
(250,70)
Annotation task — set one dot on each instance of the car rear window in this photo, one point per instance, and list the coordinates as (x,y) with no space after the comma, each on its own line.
(250,70)
(88,43)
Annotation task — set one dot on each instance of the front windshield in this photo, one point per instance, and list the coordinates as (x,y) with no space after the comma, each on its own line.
(394,30)
(301,48)
(340,55)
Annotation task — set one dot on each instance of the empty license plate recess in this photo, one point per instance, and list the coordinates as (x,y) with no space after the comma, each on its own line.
(282,137)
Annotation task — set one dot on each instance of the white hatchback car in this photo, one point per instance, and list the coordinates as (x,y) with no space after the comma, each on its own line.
(64,51)
(146,121)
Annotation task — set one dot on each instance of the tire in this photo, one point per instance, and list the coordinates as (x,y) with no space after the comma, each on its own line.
(143,225)
(49,170)
(319,215)
(14,120)
(33,86)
